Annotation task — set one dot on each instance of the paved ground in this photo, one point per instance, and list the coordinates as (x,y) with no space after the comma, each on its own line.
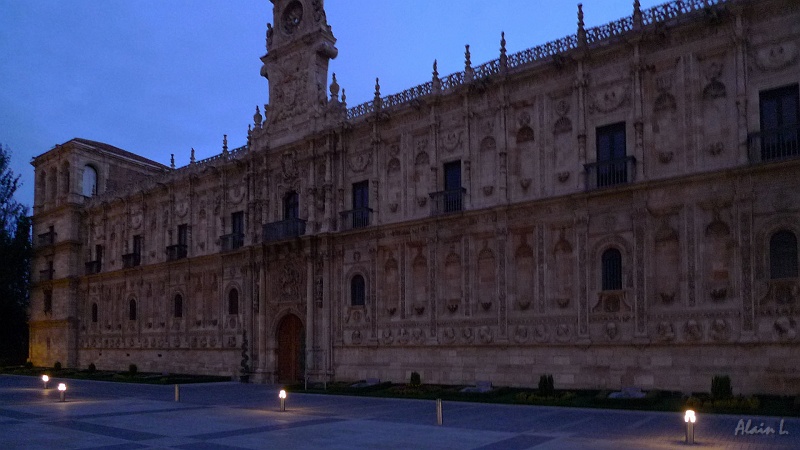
(101,415)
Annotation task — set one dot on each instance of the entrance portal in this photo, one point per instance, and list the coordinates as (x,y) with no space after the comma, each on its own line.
(291,340)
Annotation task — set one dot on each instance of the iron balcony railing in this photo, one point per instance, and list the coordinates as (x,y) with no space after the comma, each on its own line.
(356,218)
(231,241)
(610,173)
(92,267)
(285,229)
(446,202)
(46,275)
(177,251)
(47,238)
(775,144)
(131,260)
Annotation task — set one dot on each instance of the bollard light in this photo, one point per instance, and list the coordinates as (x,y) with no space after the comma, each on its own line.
(45,380)
(690,418)
(62,390)
(282,396)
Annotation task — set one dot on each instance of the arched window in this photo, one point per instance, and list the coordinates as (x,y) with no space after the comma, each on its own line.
(178,306)
(291,206)
(94,312)
(233,302)
(132,310)
(358,291)
(783,255)
(65,176)
(89,181)
(612,270)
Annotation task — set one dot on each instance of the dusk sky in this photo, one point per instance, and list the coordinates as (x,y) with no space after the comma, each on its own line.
(157,77)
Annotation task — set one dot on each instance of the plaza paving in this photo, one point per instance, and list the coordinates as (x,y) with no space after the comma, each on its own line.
(102,415)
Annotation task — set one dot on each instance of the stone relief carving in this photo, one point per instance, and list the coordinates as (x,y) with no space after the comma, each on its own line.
(612,331)
(609,98)
(452,140)
(467,335)
(665,331)
(693,331)
(785,328)
(358,163)
(486,335)
(563,332)
(356,337)
(776,57)
(520,334)
(720,330)
(449,335)
(289,169)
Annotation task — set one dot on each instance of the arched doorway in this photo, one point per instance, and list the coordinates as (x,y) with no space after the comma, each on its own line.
(291,350)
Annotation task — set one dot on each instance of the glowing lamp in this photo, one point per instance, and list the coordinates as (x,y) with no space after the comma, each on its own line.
(62,390)
(689,416)
(282,396)
(45,380)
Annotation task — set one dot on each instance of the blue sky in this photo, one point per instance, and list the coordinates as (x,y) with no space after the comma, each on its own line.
(158,77)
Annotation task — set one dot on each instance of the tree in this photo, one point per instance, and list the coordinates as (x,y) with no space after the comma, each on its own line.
(15,259)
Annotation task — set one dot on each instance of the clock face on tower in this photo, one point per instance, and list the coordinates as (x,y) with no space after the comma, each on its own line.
(292,16)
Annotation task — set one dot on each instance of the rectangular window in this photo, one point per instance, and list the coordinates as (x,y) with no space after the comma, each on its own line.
(452,200)
(360,204)
(291,206)
(98,254)
(48,302)
(780,110)
(611,155)
(237,222)
(137,245)
(183,234)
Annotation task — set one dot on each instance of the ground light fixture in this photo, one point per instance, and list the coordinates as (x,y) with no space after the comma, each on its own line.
(690,418)
(282,396)
(62,389)
(45,380)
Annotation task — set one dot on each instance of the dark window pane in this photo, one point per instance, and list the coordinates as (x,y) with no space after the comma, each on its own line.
(612,270)
(357,291)
(291,206)
(783,255)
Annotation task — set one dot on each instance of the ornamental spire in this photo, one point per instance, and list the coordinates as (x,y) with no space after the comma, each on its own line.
(191,156)
(581,29)
(637,15)
(468,72)
(503,55)
(334,88)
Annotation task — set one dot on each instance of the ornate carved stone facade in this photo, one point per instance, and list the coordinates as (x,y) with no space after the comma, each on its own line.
(618,207)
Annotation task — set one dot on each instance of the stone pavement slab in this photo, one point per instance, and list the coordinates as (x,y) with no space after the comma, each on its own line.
(226,416)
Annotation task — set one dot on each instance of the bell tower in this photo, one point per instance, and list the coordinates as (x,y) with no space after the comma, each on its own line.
(300,45)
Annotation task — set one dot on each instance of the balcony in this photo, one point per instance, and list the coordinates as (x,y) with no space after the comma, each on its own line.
(610,173)
(231,241)
(92,267)
(46,275)
(285,229)
(131,260)
(177,251)
(774,145)
(447,202)
(46,239)
(356,218)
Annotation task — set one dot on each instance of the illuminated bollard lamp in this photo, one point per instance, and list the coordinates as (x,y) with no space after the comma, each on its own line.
(282,396)
(690,419)
(45,380)
(62,390)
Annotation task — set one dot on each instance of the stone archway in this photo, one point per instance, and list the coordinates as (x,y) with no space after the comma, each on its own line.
(291,340)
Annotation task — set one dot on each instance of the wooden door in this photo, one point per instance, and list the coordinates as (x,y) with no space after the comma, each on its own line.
(291,350)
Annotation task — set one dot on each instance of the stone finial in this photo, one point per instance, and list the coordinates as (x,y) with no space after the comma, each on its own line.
(172,160)
(334,88)
(257,118)
(468,72)
(637,15)
(377,91)
(191,156)
(249,135)
(269,35)
(344,98)
(435,81)
(224,144)
(581,29)
(503,55)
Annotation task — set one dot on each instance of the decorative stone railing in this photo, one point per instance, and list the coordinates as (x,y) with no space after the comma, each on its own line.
(594,36)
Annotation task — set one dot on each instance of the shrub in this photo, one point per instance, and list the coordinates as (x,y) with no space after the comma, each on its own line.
(721,387)
(132,369)
(57,365)
(415,380)
(28,365)
(546,386)
(92,368)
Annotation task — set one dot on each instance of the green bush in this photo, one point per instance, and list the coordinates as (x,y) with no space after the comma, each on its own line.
(57,365)
(546,386)
(415,380)
(92,368)
(132,369)
(721,387)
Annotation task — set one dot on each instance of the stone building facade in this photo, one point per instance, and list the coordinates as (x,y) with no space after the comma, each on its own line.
(618,207)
